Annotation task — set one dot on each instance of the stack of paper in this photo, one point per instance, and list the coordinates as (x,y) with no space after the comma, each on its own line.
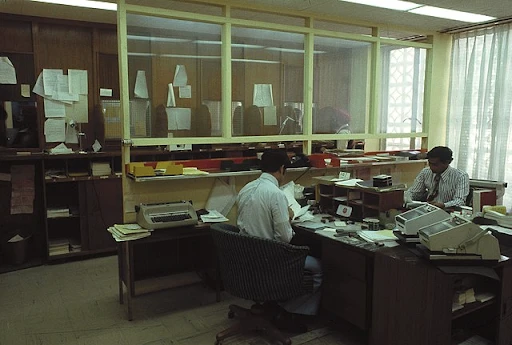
(101,169)
(128,232)
(75,245)
(58,246)
(213,216)
(56,212)
(377,236)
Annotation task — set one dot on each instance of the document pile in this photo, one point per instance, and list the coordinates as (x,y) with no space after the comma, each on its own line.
(57,212)
(101,169)
(58,246)
(213,216)
(300,214)
(128,232)
(377,236)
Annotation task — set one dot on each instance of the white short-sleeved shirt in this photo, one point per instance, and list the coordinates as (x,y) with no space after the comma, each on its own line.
(263,210)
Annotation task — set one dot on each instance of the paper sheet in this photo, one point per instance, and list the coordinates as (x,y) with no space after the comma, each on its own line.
(50,80)
(71,135)
(55,130)
(22,190)
(7,71)
(54,108)
(185,91)
(171,100)
(78,111)
(105,92)
(262,95)
(178,118)
(25,90)
(222,196)
(141,86)
(180,76)
(78,82)
(39,86)
(269,116)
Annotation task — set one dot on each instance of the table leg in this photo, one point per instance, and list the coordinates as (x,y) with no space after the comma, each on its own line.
(128,278)
(120,270)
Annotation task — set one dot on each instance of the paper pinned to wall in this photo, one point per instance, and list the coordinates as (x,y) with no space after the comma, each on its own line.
(71,135)
(178,118)
(180,76)
(262,95)
(269,116)
(78,81)
(78,111)
(39,86)
(138,112)
(105,92)
(55,130)
(7,71)
(50,80)
(141,85)
(25,90)
(171,100)
(62,90)
(54,108)
(186,91)
(222,196)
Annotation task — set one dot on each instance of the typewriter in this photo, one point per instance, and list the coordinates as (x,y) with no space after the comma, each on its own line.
(166,215)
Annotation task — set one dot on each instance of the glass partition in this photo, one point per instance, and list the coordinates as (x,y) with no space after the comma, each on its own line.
(403,83)
(267,82)
(174,70)
(340,91)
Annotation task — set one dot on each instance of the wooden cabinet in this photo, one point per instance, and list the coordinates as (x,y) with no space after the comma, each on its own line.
(412,302)
(83,196)
(346,287)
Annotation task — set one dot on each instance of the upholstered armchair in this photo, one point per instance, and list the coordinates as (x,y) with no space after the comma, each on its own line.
(260,270)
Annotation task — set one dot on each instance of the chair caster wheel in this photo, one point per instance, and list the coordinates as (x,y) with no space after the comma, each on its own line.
(231,314)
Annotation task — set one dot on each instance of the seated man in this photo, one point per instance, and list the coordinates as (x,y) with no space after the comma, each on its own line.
(263,212)
(439,184)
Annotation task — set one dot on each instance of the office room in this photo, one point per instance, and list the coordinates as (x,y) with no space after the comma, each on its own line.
(109,108)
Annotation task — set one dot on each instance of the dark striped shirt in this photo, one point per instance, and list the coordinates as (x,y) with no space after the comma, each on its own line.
(453,187)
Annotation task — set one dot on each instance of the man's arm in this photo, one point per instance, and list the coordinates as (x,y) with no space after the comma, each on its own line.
(461,191)
(280,217)
(418,189)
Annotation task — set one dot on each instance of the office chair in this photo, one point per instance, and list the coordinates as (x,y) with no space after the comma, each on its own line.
(261,270)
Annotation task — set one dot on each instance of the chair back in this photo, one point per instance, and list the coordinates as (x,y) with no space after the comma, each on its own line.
(259,269)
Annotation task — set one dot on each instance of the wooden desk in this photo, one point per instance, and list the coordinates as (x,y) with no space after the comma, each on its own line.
(166,259)
(402,299)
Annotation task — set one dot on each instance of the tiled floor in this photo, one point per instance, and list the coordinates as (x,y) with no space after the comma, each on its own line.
(77,303)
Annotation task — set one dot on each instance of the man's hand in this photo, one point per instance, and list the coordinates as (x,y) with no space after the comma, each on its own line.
(438,204)
(290,213)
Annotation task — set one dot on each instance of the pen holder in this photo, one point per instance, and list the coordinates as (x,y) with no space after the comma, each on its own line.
(372,223)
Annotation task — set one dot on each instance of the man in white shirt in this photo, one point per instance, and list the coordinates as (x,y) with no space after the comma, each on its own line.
(263,212)
(439,184)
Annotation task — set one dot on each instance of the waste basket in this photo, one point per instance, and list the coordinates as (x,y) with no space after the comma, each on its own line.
(15,249)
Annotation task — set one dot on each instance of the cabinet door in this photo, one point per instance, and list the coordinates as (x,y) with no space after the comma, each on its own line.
(104,208)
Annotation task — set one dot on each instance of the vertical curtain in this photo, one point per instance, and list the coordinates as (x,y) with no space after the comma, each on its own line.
(480,104)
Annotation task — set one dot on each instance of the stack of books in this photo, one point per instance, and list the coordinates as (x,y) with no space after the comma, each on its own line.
(101,169)
(56,212)
(128,232)
(58,246)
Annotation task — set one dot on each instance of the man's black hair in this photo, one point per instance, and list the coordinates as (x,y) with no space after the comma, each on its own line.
(272,160)
(442,152)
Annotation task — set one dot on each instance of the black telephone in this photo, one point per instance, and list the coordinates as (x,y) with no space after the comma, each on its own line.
(299,160)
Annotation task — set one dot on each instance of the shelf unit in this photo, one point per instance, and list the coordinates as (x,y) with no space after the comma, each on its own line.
(364,202)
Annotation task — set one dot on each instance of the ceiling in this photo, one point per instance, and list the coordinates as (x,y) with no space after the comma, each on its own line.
(354,12)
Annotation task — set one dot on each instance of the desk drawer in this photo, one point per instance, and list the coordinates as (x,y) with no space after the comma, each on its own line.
(345,297)
(340,260)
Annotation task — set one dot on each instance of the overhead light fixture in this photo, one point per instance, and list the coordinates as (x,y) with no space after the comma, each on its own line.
(289,50)
(451,14)
(83,3)
(389,4)
(241,45)
(207,42)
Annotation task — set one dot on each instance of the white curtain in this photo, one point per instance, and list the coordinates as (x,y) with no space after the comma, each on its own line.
(480,104)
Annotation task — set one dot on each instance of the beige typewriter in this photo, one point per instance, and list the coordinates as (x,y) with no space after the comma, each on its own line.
(166,215)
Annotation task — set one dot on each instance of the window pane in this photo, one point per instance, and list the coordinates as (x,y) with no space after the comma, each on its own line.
(340,85)
(182,53)
(403,79)
(268,79)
